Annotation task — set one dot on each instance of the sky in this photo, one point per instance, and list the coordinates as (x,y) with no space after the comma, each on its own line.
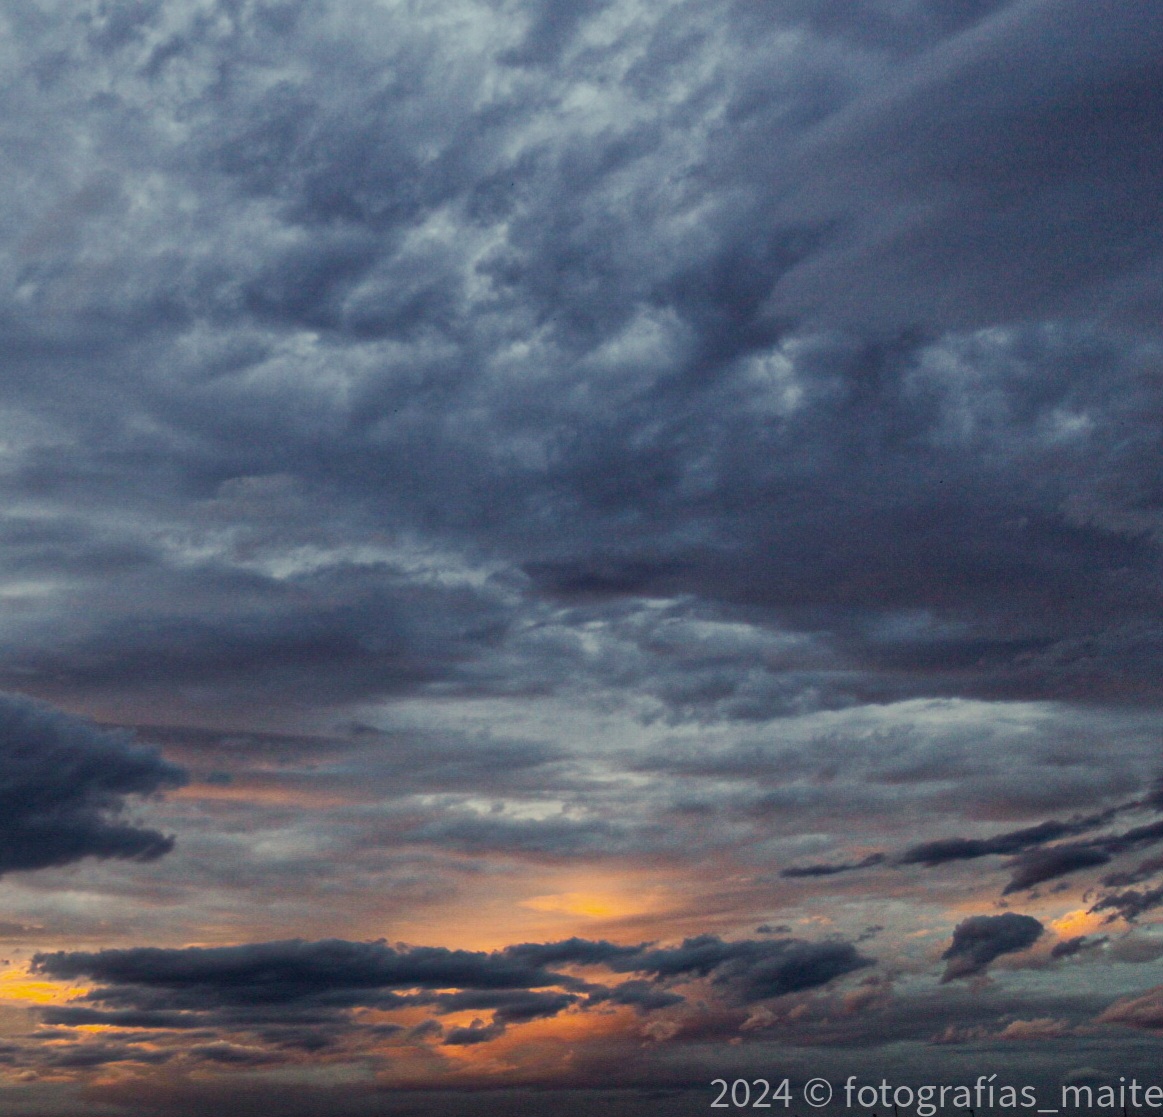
(554,551)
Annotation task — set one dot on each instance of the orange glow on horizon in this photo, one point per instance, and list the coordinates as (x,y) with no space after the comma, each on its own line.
(533,905)
(19,985)
(592,905)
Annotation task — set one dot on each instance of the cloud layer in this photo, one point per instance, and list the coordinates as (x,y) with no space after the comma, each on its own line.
(279,988)
(573,484)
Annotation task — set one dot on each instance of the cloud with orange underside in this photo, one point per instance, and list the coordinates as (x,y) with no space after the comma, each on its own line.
(1078,922)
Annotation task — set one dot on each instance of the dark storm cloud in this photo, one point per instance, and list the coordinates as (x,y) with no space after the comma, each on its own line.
(714,364)
(644,996)
(359,279)
(1135,838)
(892,544)
(266,988)
(753,969)
(349,630)
(575,951)
(329,973)
(980,939)
(63,785)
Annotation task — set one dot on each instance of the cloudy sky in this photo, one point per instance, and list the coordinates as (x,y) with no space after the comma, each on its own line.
(557,550)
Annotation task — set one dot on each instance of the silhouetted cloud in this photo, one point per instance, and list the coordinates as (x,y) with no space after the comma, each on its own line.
(296,982)
(1145,870)
(1015,841)
(1036,860)
(329,973)
(63,784)
(1130,904)
(1049,864)
(754,969)
(980,939)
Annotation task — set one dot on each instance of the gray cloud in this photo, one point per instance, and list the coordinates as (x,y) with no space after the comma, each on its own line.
(980,939)
(954,475)
(1016,841)
(943,136)
(1143,871)
(757,969)
(749,414)
(1035,858)
(1079,944)
(65,782)
(1049,864)
(327,973)
(1039,865)
(476,1032)
(293,983)
(832,870)
(1130,903)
